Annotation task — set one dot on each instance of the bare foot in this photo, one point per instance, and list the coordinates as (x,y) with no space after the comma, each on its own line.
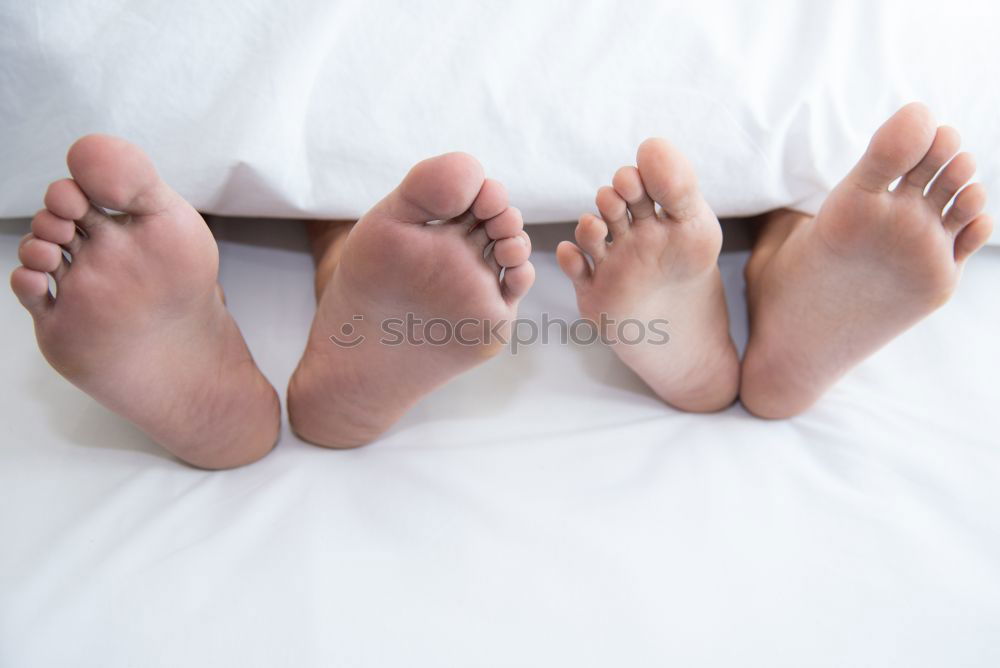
(825,294)
(137,321)
(400,261)
(659,266)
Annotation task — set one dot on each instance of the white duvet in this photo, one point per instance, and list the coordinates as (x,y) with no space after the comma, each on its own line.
(316,108)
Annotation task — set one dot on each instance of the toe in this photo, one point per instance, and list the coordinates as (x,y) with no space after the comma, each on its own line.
(117,175)
(40,255)
(896,148)
(613,211)
(512,251)
(628,184)
(968,204)
(669,178)
(507,224)
(517,281)
(573,262)
(438,188)
(972,237)
(50,227)
(65,200)
(951,179)
(592,236)
(32,290)
(491,200)
(944,147)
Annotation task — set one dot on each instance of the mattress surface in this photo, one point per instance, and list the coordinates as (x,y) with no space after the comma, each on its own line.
(542,510)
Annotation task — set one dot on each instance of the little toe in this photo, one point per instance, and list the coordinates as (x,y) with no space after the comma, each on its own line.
(897,147)
(968,204)
(32,290)
(669,178)
(945,146)
(973,237)
(437,188)
(40,255)
(512,251)
(116,174)
(573,262)
(613,210)
(50,227)
(491,200)
(507,224)
(517,281)
(628,184)
(955,175)
(592,236)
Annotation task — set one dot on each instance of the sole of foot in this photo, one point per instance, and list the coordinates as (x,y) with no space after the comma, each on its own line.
(425,282)
(137,320)
(659,269)
(826,293)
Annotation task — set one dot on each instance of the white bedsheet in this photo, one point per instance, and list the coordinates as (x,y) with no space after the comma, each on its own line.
(542,510)
(314,108)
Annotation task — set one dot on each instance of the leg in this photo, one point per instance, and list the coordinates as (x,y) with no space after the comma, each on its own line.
(826,293)
(137,321)
(659,266)
(418,255)
(773,228)
(326,242)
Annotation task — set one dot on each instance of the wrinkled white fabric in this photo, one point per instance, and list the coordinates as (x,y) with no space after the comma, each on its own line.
(317,108)
(542,510)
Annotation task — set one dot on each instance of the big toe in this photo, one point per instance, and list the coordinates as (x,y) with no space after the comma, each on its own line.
(896,147)
(437,188)
(669,178)
(117,175)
